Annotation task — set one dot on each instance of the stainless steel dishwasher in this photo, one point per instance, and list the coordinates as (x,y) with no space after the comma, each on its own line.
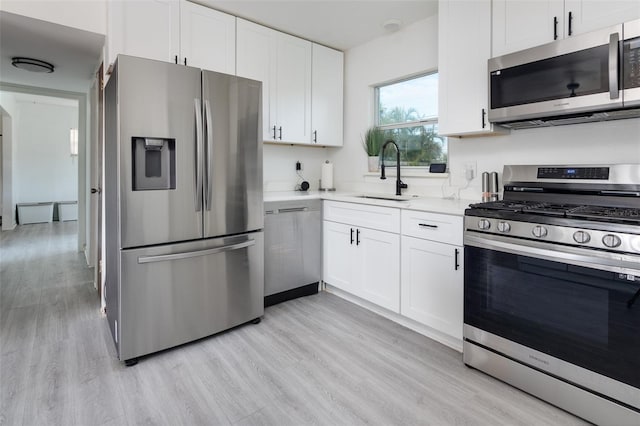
(292,246)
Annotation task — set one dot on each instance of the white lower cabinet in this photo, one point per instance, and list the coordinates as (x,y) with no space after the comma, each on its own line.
(359,260)
(409,262)
(432,284)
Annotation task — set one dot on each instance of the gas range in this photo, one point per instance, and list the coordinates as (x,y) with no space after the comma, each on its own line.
(568,205)
(552,287)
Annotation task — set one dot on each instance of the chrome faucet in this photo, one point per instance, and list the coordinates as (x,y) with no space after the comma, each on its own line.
(399,183)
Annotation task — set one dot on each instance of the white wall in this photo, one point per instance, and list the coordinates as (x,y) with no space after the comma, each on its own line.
(88,15)
(45,171)
(414,50)
(280,165)
(589,143)
(410,51)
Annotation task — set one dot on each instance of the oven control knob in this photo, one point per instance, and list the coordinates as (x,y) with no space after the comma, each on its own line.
(581,237)
(539,231)
(504,227)
(484,224)
(611,241)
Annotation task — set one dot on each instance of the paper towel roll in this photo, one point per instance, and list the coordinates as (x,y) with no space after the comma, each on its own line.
(327,175)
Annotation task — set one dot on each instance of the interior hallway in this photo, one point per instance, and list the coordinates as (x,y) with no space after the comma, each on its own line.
(314,360)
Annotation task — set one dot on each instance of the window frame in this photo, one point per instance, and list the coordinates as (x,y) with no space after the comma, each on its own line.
(416,123)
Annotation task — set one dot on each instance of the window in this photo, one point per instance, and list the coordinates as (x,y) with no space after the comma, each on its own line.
(408,113)
(73,142)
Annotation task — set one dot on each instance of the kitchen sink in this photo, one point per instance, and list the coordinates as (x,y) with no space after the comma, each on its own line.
(386,197)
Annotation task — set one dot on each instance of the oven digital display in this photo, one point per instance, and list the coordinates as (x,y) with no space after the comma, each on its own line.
(591,173)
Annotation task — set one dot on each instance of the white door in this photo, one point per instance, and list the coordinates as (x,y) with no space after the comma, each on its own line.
(255,59)
(327,76)
(432,284)
(293,89)
(379,270)
(339,256)
(207,38)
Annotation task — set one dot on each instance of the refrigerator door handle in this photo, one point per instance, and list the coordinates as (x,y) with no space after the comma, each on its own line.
(197,253)
(198,113)
(209,133)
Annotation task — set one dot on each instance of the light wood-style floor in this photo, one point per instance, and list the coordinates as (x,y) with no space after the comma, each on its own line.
(316,360)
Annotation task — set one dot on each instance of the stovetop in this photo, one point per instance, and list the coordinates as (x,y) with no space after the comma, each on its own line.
(585,212)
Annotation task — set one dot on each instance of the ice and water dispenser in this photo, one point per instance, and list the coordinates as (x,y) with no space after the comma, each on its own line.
(154,163)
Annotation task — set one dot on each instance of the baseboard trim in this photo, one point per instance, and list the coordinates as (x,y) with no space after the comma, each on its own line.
(426,331)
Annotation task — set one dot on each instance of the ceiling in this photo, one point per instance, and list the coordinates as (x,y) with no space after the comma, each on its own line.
(341,24)
(74,53)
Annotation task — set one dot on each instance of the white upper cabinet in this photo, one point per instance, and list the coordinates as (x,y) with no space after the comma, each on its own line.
(254,59)
(172,31)
(327,80)
(207,38)
(283,64)
(519,25)
(464,45)
(148,29)
(292,98)
(589,15)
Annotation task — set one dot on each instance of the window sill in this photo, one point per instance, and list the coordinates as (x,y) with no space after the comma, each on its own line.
(410,174)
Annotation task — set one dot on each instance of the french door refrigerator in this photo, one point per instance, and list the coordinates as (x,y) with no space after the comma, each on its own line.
(184,212)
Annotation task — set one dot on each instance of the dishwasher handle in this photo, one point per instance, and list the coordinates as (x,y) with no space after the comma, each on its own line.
(293,209)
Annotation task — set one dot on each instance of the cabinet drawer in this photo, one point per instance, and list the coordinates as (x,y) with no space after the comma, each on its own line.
(364,216)
(432,226)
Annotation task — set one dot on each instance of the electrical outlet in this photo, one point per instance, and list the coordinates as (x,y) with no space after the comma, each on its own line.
(470,170)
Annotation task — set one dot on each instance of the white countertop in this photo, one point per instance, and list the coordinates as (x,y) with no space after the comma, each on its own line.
(428,204)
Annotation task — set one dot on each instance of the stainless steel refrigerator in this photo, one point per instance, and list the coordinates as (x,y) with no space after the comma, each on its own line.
(184,212)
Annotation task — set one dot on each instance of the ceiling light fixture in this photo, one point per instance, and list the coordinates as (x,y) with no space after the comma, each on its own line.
(30,64)
(392,25)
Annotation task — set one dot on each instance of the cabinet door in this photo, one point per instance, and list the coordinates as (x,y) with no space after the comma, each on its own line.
(207,38)
(522,24)
(464,48)
(255,59)
(432,285)
(589,15)
(379,267)
(148,29)
(292,99)
(327,76)
(338,256)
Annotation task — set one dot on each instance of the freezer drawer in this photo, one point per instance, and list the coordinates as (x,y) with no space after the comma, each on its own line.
(173,294)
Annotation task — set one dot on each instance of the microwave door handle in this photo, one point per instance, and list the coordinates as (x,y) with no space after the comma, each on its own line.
(614,38)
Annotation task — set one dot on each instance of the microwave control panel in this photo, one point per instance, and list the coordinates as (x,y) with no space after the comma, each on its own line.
(631,61)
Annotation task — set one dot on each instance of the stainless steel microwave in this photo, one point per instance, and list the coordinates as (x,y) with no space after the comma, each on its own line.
(589,77)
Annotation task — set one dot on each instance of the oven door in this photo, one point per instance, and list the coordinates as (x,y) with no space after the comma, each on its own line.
(567,311)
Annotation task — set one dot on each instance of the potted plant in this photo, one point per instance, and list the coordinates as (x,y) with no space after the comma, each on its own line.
(372,143)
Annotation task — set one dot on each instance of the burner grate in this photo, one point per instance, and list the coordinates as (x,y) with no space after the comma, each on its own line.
(606,213)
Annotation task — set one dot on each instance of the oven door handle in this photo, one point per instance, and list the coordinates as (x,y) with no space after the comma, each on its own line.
(604,261)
